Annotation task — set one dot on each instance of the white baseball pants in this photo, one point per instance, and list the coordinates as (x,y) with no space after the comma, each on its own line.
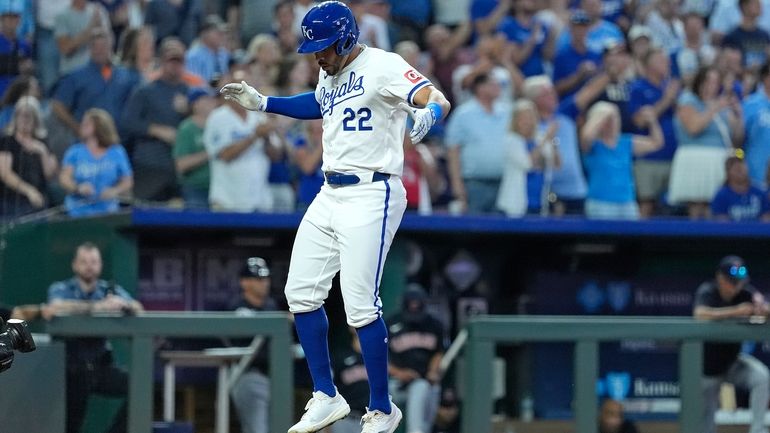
(347,229)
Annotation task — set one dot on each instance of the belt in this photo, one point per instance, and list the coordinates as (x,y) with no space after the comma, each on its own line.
(341,179)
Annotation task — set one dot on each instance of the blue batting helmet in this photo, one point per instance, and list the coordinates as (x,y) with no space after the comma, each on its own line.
(327,23)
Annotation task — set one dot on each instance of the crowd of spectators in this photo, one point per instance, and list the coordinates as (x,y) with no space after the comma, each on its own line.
(620,109)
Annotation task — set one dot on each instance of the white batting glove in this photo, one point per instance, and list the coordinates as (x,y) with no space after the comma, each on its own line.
(423,118)
(245,95)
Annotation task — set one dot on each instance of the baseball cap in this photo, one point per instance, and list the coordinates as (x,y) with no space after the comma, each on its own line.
(11,7)
(196,93)
(639,31)
(734,268)
(255,267)
(580,17)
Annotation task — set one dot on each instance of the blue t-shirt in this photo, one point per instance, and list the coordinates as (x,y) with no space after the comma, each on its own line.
(711,136)
(520,33)
(86,88)
(309,184)
(597,38)
(101,173)
(644,93)
(482,8)
(479,135)
(611,9)
(535,182)
(280,173)
(205,63)
(566,63)
(568,180)
(756,116)
(85,349)
(752,43)
(740,207)
(609,171)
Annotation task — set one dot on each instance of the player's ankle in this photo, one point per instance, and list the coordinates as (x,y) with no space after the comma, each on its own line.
(330,391)
(382,407)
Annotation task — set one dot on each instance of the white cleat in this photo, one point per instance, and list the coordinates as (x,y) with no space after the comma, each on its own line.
(378,422)
(321,411)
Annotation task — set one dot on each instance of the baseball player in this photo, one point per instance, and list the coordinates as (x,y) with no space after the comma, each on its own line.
(362,97)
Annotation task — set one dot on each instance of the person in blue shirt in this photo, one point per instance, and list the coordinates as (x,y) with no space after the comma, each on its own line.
(738,199)
(618,65)
(90,366)
(748,37)
(600,31)
(15,52)
(208,58)
(568,183)
(96,171)
(97,84)
(708,126)
(608,156)
(486,15)
(655,89)
(612,11)
(476,153)
(307,157)
(533,42)
(575,64)
(756,118)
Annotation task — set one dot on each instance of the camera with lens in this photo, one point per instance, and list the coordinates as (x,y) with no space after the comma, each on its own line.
(14,336)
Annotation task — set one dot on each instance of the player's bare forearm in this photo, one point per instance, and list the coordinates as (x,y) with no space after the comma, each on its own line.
(434,368)
(721,313)
(236,148)
(430,94)
(71,307)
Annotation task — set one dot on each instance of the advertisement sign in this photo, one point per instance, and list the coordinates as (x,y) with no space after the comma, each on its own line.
(192,279)
(165,279)
(643,374)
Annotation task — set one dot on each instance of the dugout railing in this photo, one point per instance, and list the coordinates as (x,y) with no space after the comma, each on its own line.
(586,332)
(140,331)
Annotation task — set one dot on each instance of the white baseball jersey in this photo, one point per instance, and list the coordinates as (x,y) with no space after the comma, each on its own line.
(363,129)
(241,184)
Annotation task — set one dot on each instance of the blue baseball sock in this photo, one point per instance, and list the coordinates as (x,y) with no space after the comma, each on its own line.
(374,348)
(312,329)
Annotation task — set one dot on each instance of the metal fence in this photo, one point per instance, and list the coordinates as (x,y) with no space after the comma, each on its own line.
(587,332)
(141,330)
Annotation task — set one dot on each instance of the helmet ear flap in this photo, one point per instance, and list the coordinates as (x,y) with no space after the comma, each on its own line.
(345,44)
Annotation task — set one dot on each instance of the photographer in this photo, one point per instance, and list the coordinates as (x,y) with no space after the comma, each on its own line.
(90,366)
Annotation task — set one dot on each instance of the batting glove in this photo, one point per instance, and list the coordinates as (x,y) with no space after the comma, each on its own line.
(245,95)
(423,118)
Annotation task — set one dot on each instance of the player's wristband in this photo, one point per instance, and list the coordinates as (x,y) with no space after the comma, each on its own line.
(436,110)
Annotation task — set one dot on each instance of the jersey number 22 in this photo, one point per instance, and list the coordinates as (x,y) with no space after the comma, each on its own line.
(364,114)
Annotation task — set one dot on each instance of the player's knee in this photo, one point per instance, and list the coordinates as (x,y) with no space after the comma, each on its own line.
(358,318)
(301,304)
